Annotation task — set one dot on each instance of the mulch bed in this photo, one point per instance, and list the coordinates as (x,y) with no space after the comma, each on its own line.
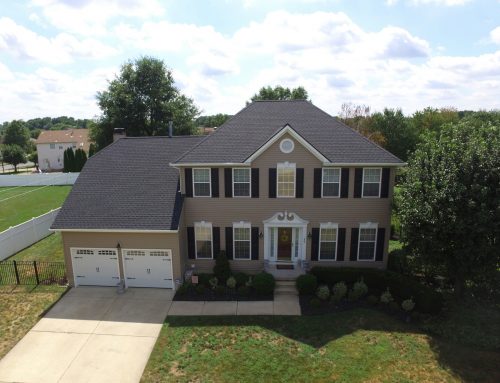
(228,295)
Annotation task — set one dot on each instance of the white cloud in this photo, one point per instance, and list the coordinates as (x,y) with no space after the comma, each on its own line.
(63,48)
(495,35)
(446,3)
(90,17)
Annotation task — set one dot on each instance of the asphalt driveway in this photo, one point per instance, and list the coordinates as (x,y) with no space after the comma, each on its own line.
(91,335)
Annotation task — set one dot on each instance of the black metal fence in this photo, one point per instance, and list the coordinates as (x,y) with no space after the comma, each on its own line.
(32,273)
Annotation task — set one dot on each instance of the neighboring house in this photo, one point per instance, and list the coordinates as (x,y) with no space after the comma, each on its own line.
(51,144)
(282,184)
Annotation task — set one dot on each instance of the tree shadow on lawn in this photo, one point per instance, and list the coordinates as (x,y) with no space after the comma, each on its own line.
(467,364)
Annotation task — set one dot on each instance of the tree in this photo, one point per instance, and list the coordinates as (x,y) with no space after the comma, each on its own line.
(33,157)
(358,117)
(14,155)
(69,161)
(450,205)
(432,119)
(212,121)
(80,159)
(400,134)
(91,149)
(279,93)
(141,100)
(16,133)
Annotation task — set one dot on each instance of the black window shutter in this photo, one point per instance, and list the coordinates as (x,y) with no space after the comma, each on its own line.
(358,182)
(317,182)
(299,183)
(215,182)
(379,254)
(216,240)
(255,243)
(315,244)
(354,243)
(255,182)
(229,242)
(341,244)
(188,181)
(190,241)
(386,173)
(344,183)
(272,182)
(228,182)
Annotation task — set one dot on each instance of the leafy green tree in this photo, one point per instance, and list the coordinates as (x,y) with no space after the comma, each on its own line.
(432,119)
(80,159)
(450,201)
(69,161)
(400,134)
(212,121)
(280,93)
(16,133)
(358,117)
(33,157)
(91,149)
(14,155)
(141,100)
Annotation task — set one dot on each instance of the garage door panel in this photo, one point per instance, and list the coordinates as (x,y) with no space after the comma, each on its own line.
(148,268)
(95,267)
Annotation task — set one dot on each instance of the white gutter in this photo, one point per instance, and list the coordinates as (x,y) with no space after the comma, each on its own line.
(361,164)
(115,231)
(215,164)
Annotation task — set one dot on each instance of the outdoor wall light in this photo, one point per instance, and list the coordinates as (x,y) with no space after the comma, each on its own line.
(261,235)
(309,235)
(118,246)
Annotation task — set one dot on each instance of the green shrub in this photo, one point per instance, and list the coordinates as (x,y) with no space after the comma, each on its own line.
(398,261)
(339,291)
(306,284)
(372,299)
(393,306)
(222,270)
(323,292)
(426,299)
(408,305)
(263,283)
(244,291)
(200,289)
(204,278)
(220,290)
(231,282)
(241,279)
(386,297)
(315,302)
(359,289)
(213,282)
(183,289)
(249,282)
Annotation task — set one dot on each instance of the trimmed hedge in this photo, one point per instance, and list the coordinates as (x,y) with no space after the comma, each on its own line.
(263,283)
(306,283)
(427,300)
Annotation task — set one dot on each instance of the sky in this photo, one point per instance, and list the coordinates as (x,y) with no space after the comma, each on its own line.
(55,55)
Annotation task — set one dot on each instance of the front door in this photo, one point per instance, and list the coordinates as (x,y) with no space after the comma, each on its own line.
(284,244)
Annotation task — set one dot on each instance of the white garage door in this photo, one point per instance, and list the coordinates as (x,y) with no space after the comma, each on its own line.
(148,268)
(95,267)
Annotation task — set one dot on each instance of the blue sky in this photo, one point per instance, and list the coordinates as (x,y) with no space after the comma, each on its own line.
(56,54)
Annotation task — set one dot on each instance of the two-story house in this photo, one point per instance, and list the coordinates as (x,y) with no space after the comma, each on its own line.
(51,144)
(281,185)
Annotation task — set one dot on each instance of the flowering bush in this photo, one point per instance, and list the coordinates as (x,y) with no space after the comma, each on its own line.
(323,292)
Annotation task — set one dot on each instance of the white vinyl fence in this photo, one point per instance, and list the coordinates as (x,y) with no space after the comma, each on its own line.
(25,234)
(38,179)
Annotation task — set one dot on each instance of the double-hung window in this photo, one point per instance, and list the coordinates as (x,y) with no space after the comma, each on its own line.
(241,182)
(331,182)
(203,239)
(52,146)
(286,180)
(201,182)
(371,182)
(367,241)
(328,234)
(241,241)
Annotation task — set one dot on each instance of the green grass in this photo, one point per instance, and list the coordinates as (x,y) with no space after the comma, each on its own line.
(20,308)
(49,249)
(352,346)
(18,204)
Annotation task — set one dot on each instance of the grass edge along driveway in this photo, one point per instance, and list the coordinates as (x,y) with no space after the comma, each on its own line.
(352,346)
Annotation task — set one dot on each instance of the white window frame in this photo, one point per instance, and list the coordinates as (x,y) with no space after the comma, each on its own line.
(286,165)
(209,183)
(323,182)
(242,225)
(285,141)
(329,225)
(363,184)
(52,146)
(203,224)
(249,183)
(368,225)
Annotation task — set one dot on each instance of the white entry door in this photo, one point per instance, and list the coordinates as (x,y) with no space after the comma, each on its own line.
(148,268)
(95,267)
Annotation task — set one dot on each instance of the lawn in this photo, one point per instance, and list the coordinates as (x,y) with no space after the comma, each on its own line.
(18,204)
(352,346)
(20,308)
(49,249)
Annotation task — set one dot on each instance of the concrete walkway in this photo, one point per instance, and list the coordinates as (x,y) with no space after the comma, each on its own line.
(91,335)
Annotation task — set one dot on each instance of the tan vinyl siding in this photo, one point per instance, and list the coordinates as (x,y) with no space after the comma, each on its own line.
(127,241)
(347,212)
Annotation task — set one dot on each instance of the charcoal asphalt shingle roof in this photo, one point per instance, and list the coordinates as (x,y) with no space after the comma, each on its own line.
(251,128)
(128,185)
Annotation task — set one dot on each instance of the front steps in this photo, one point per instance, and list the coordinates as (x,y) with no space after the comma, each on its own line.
(285,288)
